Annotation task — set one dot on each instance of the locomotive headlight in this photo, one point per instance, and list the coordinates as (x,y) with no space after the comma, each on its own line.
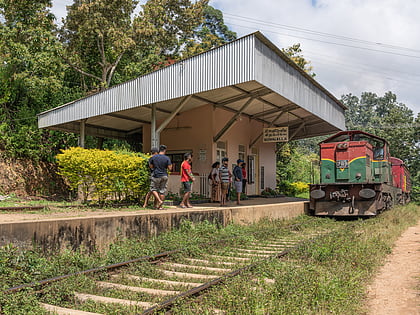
(317,194)
(342,146)
(358,175)
(367,193)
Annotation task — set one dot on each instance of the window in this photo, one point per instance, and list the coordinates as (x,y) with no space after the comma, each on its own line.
(176,159)
(241,154)
(220,151)
(262,177)
(251,169)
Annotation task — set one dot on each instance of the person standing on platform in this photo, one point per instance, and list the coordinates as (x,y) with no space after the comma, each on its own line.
(237,180)
(187,179)
(225,179)
(215,182)
(153,152)
(160,164)
(244,178)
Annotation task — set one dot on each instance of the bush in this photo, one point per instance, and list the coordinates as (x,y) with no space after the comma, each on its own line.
(415,193)
(104,174)
(293,189)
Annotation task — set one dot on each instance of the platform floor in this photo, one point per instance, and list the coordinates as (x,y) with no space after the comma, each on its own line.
(82,212)
(89,228)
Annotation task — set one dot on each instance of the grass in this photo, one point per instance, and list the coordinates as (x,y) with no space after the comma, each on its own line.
(328,275)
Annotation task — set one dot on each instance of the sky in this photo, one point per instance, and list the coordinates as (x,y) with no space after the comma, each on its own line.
(354,46)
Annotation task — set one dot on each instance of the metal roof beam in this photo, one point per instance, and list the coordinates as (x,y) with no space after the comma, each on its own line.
(127,118)
(232,120)
(173,114)
(259,92)
(158,109)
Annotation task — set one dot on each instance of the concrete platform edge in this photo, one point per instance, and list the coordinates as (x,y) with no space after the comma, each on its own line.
(97,232)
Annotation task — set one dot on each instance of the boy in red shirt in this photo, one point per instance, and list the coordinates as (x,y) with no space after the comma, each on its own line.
(187,178)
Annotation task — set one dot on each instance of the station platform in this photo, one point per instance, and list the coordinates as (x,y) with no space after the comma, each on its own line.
(92,229)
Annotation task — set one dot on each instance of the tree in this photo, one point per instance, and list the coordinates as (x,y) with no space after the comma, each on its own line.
(31,74)
(295,53)
(210,34)
(385,117)
(97,34)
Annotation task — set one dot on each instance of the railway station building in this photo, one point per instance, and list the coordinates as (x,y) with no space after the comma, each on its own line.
(215,104)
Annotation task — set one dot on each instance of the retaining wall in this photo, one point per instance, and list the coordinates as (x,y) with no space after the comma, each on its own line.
(98,232)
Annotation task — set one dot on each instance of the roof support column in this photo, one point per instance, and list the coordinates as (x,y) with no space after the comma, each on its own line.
(260,135)
(155,136)
(82,135)
(232,120)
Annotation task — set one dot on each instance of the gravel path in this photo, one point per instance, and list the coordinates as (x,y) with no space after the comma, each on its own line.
(396,289)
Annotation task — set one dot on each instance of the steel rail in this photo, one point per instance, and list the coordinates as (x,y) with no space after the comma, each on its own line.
(107,267)
(166,304)
(92,270)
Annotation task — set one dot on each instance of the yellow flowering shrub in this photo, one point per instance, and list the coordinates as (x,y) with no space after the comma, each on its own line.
(300,187)
(104,174)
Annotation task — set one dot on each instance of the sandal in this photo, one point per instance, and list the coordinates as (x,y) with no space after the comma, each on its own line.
(182,206)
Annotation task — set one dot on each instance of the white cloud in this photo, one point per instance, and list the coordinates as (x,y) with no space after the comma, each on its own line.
(340,69)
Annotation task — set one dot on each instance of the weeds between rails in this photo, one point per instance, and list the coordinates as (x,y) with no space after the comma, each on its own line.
(113,266)
(306,281)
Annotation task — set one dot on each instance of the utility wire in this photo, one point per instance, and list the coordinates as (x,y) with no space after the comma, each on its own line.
(332,43)
(317,33)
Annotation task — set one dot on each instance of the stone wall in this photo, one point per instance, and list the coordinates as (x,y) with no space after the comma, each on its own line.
(23,178)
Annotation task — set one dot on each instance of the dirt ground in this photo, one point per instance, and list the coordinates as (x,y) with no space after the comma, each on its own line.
(396,289)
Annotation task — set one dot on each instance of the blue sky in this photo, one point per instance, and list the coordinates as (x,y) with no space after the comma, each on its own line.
(354,46)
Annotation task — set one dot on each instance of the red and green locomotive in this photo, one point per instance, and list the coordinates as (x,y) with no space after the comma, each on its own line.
(358,176)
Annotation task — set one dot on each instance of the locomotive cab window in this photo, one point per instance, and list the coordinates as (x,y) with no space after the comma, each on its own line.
(378,151)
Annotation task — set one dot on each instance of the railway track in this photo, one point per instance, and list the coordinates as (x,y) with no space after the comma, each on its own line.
(152,284)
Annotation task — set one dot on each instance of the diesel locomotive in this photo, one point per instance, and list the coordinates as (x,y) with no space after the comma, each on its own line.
(358,177)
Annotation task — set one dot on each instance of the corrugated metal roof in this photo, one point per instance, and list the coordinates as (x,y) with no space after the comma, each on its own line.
(248,61)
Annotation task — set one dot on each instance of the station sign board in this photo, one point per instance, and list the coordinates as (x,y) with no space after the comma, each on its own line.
(277,134)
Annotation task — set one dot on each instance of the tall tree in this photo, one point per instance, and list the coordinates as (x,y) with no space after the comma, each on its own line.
(31,76)
(212,33)
(385,117)
(295,53)
(97,34)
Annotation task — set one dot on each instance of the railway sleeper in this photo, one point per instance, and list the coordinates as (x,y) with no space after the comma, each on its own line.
(208,262)
(162,281)
(65,311)
(176,265)
(118,286)
(83,297)
(187,275)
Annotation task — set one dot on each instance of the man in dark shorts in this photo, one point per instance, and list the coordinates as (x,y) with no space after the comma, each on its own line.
(237,174)
(153,152)
(160,164)
(187,178)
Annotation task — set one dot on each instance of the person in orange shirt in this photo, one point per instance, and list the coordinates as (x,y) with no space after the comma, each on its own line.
(187,179)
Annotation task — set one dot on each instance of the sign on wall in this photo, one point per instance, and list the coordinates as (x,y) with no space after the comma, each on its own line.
(202,155)
(277,134)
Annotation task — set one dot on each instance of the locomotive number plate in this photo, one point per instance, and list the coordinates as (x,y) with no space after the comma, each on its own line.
(342,164)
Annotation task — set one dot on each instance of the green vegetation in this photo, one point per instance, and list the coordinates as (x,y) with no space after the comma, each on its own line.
(99,44)
(104,174)
(307,281)
(328,275)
